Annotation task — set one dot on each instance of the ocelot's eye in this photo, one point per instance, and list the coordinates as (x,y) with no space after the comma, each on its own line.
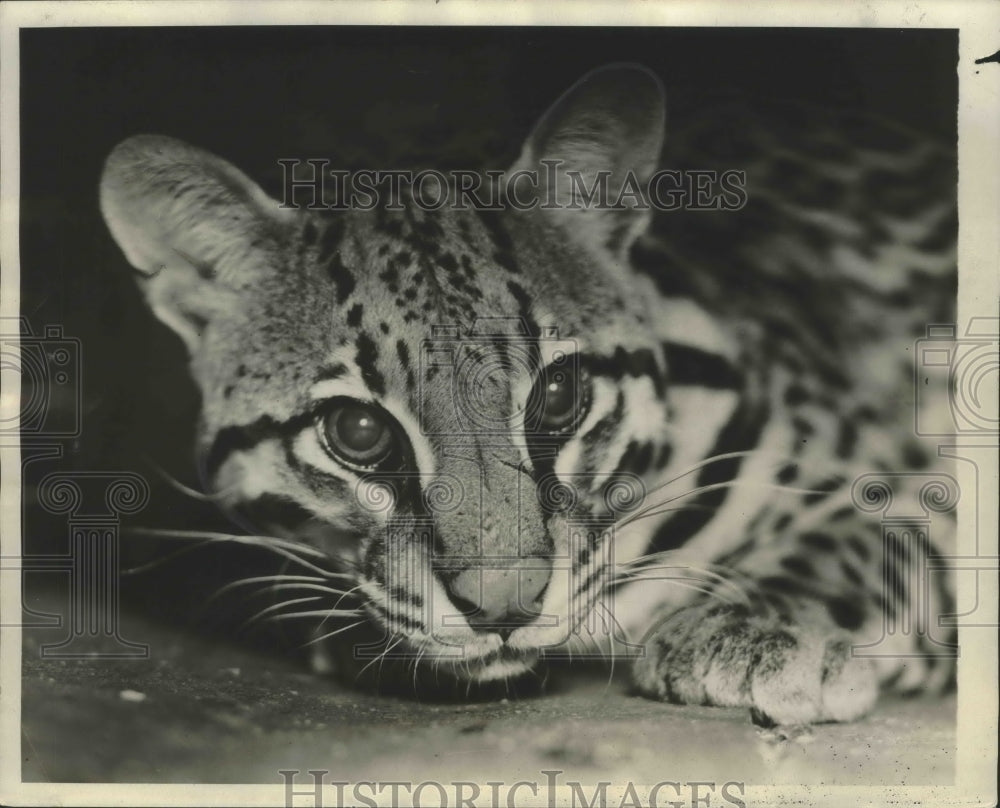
(358,435)
(561,398)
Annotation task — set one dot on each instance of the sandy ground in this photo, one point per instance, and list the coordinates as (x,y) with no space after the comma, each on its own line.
(200,710)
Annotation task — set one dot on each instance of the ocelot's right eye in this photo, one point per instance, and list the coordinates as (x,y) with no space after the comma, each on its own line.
(358,435)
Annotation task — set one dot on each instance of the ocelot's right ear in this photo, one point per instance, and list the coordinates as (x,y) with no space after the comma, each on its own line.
(196,228)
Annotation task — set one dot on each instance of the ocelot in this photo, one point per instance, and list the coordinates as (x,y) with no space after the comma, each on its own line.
(568,426)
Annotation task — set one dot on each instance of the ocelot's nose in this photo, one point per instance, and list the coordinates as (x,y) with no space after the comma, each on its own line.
(501,599)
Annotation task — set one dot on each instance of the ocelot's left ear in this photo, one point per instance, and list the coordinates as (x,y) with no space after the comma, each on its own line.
(198,230)
(605,135)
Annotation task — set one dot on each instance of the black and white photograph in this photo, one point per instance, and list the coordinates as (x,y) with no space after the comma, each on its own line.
(431,404)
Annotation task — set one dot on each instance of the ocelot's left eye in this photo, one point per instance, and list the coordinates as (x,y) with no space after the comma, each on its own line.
(358,435)
(561,398)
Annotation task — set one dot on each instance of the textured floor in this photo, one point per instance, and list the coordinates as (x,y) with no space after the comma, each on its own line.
(202,711)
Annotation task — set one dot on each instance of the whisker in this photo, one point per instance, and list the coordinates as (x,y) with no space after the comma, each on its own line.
(281,547)
(314,613)
(632,517)
(257,579)
(380,658)
(723,573)
(700,465)
(729,577)
(274,607)
(776,457)
(329,634)
(177,485)
(211,535)
(686,583)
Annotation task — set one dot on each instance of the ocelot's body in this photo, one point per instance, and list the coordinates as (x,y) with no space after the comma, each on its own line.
(562,429)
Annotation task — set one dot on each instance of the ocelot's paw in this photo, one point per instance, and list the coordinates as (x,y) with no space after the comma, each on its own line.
(786,673)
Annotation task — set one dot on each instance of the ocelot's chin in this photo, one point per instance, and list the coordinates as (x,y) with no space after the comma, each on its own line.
(502,664)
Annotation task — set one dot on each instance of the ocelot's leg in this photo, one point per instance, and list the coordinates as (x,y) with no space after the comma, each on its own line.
(792,649)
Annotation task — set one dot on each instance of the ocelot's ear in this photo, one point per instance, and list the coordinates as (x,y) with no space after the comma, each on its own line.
(197,229)
(608,127)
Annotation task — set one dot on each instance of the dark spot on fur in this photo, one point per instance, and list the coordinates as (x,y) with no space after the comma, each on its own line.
(847,614)
(851,574)
(782,584)
(354,315)
(802,427)
(335,371)
(816,540)
(688,365)
(636,458)
(860,548)
(799,566)
(847,438)
(390,275)
(795,395)
(822,490)
(341,276)
(366,357)
(915,456)
(788,473)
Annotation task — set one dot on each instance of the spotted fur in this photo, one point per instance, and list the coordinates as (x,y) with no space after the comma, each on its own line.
(734,372)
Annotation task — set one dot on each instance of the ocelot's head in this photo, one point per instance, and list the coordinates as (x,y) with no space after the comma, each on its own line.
(456,405)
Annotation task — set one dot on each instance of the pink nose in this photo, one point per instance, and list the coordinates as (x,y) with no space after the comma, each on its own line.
(501,599)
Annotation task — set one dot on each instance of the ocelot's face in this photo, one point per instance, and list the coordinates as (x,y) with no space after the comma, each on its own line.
(458,408)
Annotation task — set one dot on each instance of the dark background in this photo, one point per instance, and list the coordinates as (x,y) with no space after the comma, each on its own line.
(368,97)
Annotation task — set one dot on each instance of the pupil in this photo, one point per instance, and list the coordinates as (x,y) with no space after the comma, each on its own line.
(559,398)
(358,429)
